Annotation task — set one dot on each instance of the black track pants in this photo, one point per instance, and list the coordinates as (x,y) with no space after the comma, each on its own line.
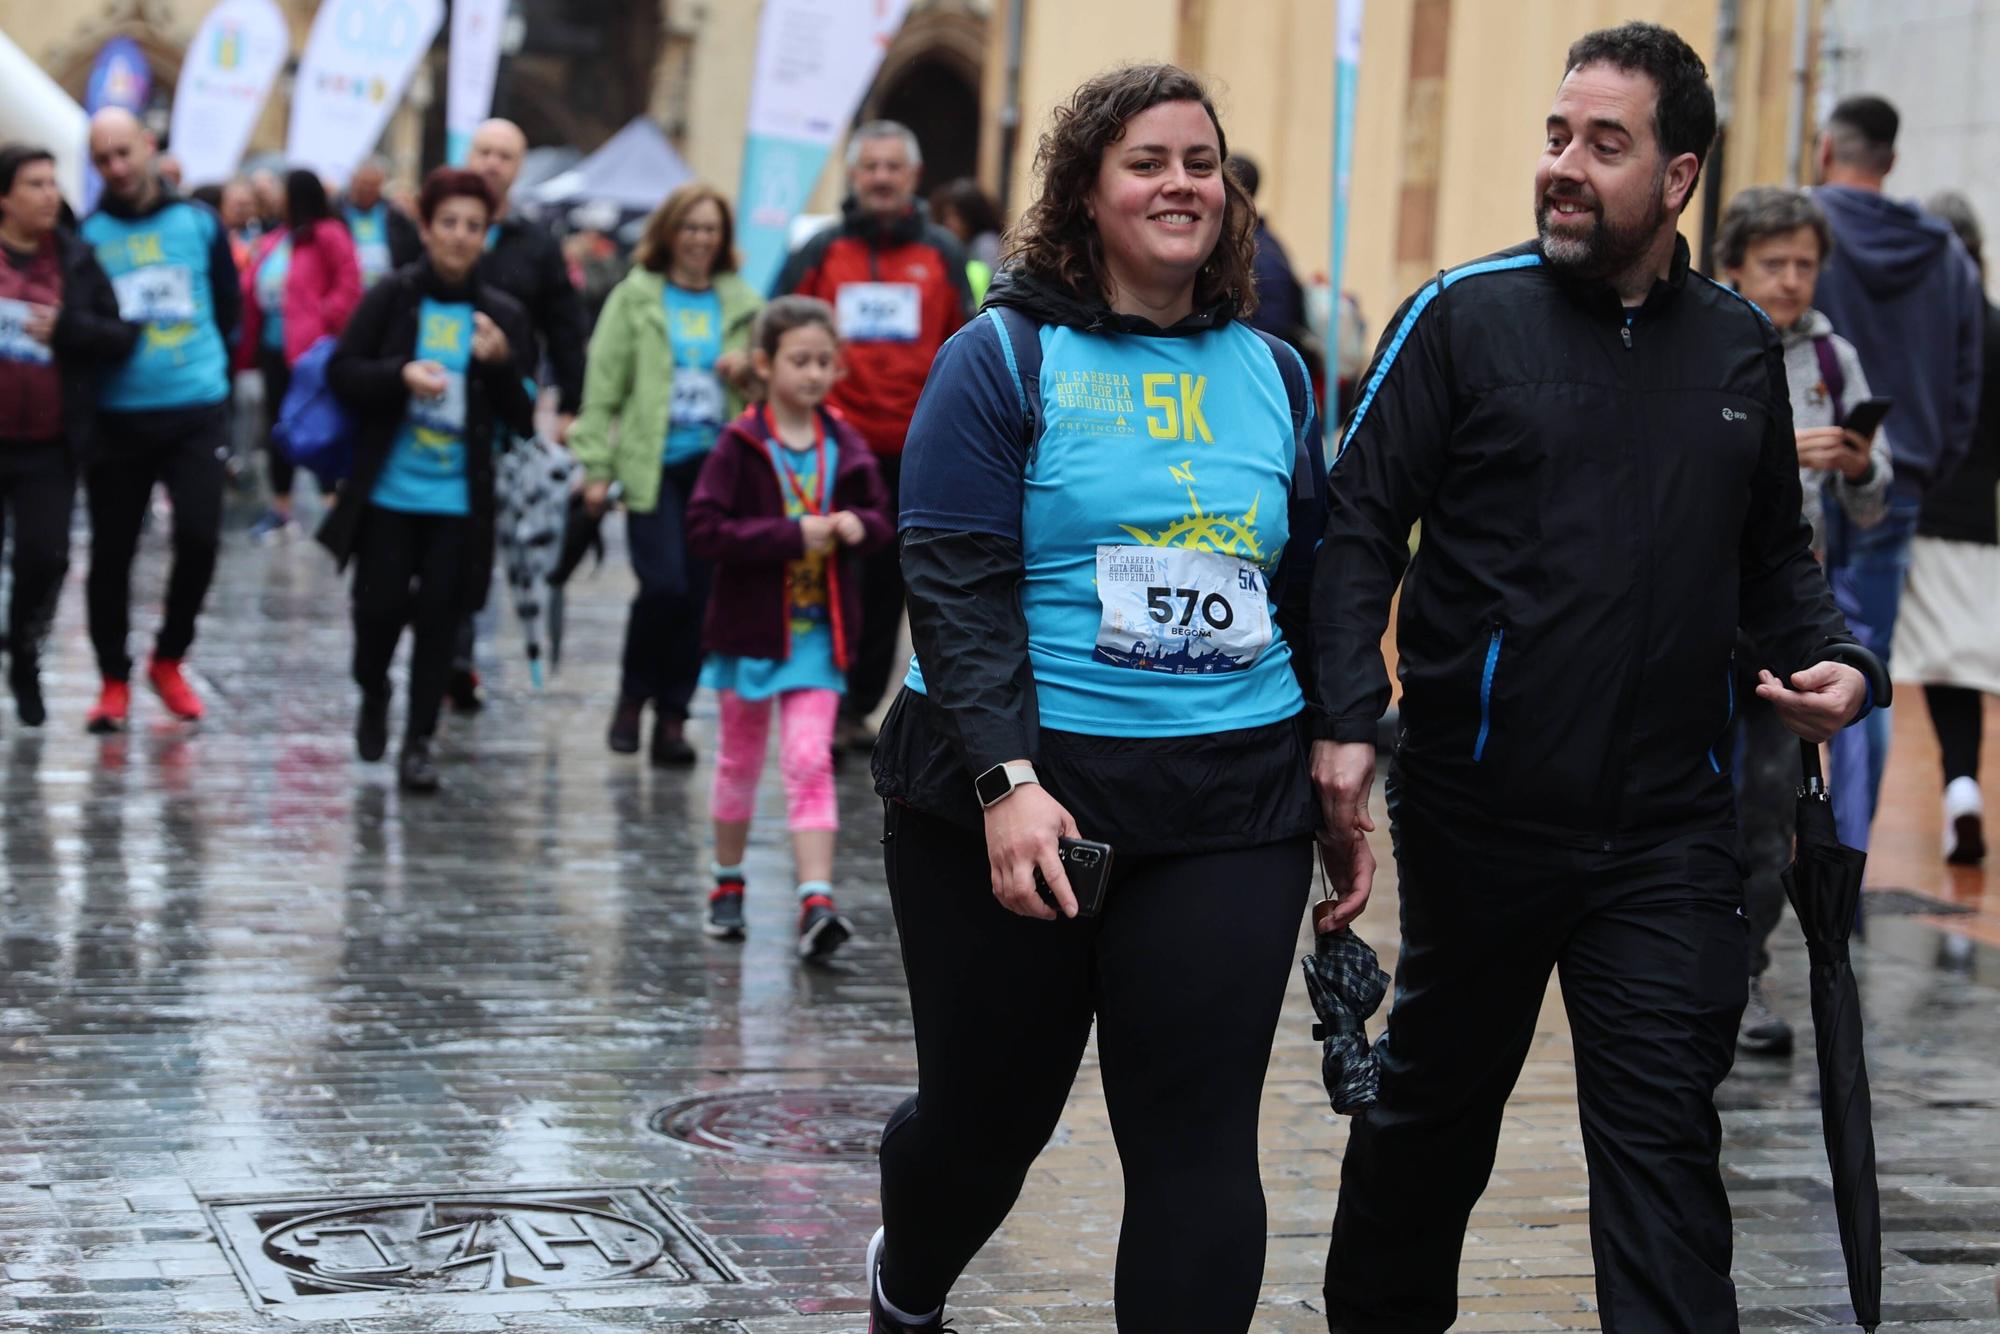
(1185,971)
(1649,946)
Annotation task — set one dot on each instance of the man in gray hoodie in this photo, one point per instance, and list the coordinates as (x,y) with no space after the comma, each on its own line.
(1901,288)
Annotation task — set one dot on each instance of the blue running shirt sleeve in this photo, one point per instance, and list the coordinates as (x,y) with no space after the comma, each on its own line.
(965,457)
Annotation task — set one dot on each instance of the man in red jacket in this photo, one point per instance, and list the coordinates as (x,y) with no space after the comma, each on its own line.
(898,284)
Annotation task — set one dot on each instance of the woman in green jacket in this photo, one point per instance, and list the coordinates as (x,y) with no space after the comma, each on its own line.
(665,363)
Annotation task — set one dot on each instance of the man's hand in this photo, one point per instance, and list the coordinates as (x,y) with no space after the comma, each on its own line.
(1021,833)
(41,322)
(1343,773)
(425,379)
(1822,699)
(1835,448)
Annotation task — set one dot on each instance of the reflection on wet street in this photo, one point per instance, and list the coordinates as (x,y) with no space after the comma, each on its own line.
(277,1040)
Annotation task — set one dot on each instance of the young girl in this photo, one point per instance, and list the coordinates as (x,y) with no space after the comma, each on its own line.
(787,504)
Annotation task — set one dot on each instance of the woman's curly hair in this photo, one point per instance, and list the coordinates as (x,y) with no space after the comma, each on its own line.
(1055,239)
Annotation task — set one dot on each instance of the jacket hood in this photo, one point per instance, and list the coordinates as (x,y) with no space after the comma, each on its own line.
(118,208)
(1887,242)
(859,222)
(1046,302)
(1811,325)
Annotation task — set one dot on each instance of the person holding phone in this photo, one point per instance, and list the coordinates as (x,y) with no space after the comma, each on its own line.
(1111,491)
(1769,246)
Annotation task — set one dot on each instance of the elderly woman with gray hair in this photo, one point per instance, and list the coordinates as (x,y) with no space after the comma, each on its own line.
(1769,246)
(1948,633)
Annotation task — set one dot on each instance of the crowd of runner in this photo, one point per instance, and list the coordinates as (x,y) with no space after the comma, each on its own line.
(1006,405)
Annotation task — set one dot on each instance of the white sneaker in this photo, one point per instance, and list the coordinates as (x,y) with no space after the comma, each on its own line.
(1964,823)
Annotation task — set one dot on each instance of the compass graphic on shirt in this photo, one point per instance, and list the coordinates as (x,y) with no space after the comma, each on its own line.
(1198,530)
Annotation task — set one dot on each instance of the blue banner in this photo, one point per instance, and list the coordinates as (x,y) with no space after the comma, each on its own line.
(778,177)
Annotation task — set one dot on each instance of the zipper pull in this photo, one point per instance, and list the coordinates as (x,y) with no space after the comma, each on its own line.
(1625,334)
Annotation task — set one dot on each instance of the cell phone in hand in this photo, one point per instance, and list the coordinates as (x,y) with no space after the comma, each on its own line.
(1865,418)
(1087,863)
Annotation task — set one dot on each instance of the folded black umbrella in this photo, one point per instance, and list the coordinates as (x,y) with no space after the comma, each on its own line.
(583,535)
(1346,984)
(1824,885)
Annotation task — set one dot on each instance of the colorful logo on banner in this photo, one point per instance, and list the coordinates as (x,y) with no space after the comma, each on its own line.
(476,29)
(120,78)
(231,64)
(815,58)
(357,63)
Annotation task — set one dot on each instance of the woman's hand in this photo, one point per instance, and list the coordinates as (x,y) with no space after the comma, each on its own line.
(1021,833)
(817,529)
(1834,449)
(489,344)
(848,529)
(425,379)
(596,495)
(41,322)
(733,368)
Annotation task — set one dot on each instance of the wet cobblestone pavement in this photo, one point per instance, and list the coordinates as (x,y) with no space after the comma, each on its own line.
(280,1047)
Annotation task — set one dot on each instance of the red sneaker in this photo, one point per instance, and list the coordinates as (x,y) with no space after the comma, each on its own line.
(164,675)
(114,706)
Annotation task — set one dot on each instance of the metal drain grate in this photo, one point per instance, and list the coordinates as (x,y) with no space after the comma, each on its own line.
(338,1248)
(792,1125)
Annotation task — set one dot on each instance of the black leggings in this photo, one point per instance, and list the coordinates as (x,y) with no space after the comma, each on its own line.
(406,572)
(37,496)
(1956,714)
(1185,971)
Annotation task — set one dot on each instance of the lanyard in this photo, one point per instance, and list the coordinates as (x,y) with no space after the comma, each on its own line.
(788,479)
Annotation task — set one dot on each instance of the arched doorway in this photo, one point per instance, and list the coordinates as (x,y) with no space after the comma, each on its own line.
(932,97)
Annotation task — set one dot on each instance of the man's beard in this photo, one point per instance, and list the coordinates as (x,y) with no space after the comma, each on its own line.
(1609,248)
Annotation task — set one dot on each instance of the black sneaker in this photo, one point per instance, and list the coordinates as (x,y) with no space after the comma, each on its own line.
(670,747)
(725,910)
(416,771)
(879,1320)
(463,691)
(29,706)
(624,734)
(822,929)
(371,727)
(1763,1032)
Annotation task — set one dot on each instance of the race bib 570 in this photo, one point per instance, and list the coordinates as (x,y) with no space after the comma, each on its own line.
(1172,609)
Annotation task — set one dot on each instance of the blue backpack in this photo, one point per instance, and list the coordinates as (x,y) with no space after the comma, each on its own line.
(313,427)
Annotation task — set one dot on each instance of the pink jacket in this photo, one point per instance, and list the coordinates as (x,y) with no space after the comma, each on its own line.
(321,290)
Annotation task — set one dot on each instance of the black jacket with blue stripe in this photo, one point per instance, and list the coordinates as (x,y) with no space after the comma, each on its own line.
(1604,494)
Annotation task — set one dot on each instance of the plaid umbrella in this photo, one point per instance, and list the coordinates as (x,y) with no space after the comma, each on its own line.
(1824,885)
(534,483)
(1346,984)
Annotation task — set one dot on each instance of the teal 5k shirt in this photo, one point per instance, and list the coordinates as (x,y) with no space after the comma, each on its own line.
(270,293)
(425,471)
(696,409)
(159,267)
(1152,512)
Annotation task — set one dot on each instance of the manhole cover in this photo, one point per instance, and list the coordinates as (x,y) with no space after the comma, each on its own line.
(796,1125)
(1909,903)
(290,1248)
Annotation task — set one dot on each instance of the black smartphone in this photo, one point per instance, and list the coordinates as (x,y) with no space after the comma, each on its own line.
(1087,863)
(1865,418)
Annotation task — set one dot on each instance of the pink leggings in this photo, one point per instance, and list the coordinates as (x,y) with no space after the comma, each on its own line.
(805,756)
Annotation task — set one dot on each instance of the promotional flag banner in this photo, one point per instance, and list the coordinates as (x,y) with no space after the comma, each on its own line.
(230,67)
(475,63)
(815,59)
(120,78)
(1347,70)
(358,61)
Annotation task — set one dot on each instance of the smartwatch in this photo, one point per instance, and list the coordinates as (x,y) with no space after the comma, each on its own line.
(998,782)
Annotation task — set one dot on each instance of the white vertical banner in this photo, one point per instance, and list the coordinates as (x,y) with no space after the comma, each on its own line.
(35,109)
(1346,80)
(475,63)
(357,64)
(815,58)
(227,76)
